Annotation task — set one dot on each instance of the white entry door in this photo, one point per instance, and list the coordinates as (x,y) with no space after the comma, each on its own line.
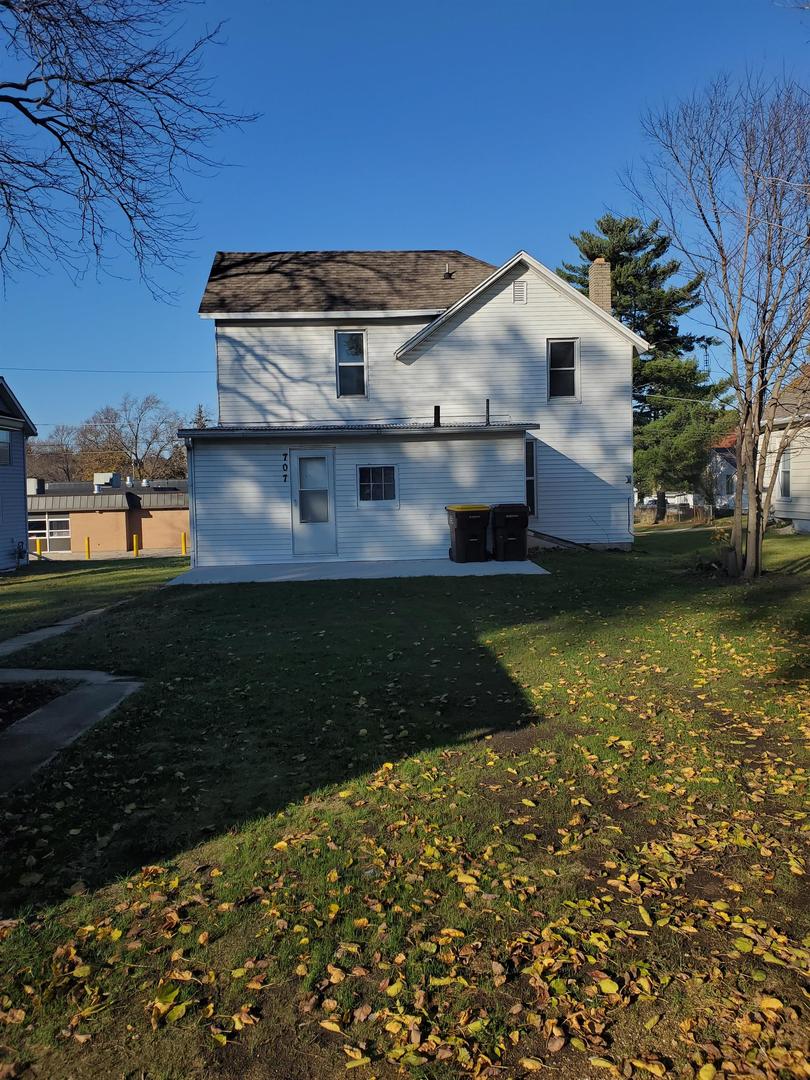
(313,499)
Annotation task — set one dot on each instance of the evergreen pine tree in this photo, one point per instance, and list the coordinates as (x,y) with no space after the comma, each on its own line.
(644,297)
(673,416)
(201,417)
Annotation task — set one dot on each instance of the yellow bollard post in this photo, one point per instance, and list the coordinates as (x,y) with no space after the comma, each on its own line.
(183,545)
(135,545)
(87,547)
(38,546)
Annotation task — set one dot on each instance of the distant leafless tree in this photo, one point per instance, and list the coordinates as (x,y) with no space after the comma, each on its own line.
(102,111)
(137,437)
(200,418)
(730,177)
(54,458)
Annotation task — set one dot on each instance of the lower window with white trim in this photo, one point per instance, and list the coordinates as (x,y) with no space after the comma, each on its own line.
(531,475)
(377,484)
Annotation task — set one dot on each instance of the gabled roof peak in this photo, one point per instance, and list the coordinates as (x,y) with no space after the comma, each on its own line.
(550,278)
(10,406)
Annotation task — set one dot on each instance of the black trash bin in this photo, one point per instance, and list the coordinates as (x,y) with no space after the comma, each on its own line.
(510,538)
(469,523)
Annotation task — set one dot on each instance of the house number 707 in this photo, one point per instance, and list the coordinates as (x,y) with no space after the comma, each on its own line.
(285,468)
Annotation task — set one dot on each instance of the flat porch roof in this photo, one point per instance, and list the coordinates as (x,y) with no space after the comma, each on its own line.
(338,570)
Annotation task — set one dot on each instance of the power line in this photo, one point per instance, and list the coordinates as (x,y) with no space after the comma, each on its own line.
(117,371)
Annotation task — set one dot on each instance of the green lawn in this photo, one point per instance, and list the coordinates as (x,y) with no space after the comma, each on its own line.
(427,827)
(46,592)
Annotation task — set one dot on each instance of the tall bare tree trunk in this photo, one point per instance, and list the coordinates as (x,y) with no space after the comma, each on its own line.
(660,506)
(729,176)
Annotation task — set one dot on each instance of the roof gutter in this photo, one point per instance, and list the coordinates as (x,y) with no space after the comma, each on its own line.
(321,316)
(344,432)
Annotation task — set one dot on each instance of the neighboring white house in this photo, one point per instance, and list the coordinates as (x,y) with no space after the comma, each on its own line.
(720,479)
(15,428)
(791,496)
(361,392)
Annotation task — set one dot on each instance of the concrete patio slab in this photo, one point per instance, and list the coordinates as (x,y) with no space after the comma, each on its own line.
(341,571)
(31,742)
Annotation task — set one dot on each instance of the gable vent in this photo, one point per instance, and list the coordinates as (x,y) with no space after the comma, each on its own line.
(519,292)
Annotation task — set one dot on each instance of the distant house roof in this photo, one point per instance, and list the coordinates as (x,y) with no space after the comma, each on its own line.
(244,282)
(11,409)
(82,498)
(65,504)
(795,397)
(728,442)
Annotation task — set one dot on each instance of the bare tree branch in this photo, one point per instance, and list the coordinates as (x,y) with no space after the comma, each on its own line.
(104,114)
(729,174)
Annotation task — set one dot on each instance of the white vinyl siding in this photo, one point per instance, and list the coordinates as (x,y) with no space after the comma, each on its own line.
(796,506)
(496,349)
(242,504)
(13,504)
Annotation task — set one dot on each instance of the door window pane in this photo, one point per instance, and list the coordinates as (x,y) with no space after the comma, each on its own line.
(312,472)
(313,506)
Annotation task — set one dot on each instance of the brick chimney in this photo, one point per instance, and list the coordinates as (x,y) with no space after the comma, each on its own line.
(599,284)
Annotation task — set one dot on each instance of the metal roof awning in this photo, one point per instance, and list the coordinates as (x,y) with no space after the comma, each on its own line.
(345,431)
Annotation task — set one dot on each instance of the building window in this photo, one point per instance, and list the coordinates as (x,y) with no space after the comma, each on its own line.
(350,351)
(562,368)
(52,530)
(377,483)
(730,484)
(5,447)
(784,474)
(531,481)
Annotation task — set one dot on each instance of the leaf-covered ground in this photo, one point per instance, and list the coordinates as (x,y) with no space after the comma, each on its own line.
(47,592)
(427,828)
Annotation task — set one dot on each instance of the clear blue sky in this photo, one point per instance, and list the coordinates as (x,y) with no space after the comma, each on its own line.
(484,126)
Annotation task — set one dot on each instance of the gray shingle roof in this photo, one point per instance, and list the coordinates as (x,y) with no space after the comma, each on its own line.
(795,397)
(322,281)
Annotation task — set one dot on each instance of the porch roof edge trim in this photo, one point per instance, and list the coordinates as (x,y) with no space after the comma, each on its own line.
(349,430)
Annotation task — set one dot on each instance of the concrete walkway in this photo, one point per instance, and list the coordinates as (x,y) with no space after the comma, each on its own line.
(31,742)
(22,641)
(338,570)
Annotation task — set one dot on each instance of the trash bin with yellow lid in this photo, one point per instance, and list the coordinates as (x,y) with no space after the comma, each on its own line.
(469,524)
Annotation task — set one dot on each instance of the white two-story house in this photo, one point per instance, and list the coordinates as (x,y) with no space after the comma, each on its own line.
(361,392)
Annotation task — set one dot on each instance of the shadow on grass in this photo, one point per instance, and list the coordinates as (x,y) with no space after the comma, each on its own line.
(258,696)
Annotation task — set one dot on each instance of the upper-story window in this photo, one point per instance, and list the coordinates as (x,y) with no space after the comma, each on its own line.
(5,447)
(562,368)
(350,353)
